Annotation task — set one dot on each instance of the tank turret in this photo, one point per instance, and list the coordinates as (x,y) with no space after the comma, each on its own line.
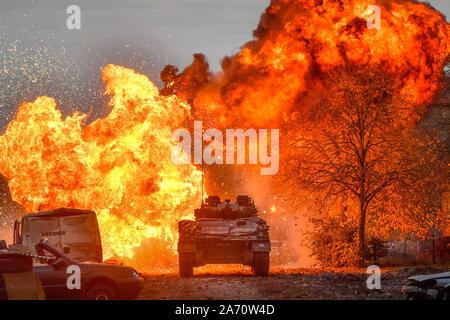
(244,207)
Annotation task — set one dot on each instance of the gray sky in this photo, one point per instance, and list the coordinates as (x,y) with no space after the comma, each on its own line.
(171,29)
(174,27)
(39,55)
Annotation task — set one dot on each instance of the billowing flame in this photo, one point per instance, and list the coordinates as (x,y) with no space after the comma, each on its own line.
(298,41)
(119,166)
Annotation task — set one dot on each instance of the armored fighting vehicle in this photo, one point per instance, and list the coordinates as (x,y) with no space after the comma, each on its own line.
(224,232)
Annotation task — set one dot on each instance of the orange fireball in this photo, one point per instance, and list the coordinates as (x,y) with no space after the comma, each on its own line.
(298,41)
(119,166)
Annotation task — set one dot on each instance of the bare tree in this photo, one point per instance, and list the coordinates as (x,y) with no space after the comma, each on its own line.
(353,140)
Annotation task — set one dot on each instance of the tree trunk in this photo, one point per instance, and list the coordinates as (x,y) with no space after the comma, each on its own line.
(362,231)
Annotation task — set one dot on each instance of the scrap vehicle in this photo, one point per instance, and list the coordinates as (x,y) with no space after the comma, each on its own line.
(73,231)
(224,233)
(98,281)
(430,287)
(17,278)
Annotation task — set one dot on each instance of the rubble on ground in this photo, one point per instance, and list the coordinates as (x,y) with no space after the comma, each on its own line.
(304,283)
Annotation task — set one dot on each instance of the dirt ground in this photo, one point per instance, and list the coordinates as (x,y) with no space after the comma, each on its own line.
(281,284)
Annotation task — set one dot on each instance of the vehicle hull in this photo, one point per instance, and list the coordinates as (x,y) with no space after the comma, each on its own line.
(223,251)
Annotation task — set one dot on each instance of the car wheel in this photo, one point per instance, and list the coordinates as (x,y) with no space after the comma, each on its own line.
(186,264)
(101,291)
(261,262)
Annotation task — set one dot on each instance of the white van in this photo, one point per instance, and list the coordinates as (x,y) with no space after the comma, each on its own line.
(74,232)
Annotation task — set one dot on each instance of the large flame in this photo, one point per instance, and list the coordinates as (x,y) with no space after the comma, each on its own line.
(297,41)
(119,166)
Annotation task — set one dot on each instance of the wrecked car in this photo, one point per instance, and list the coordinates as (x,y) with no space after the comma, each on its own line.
(98,281)
(17,276)
(434,286)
